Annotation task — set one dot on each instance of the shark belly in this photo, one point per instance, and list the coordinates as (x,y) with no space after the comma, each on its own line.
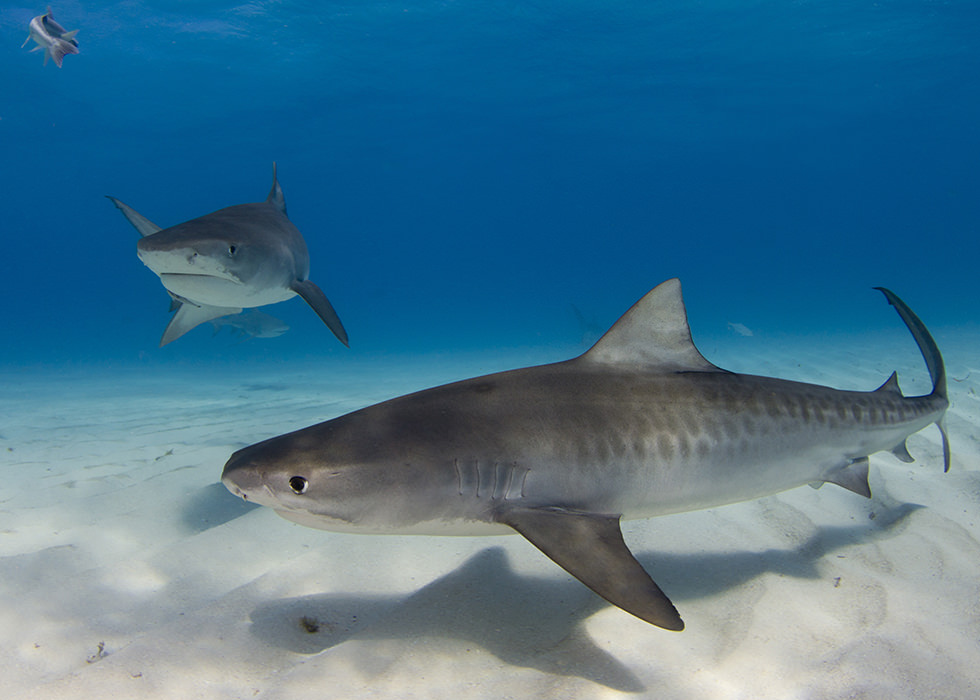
(219,291)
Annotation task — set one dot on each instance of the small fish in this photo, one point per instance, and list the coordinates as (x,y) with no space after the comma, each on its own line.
(740,329)
(52,37)
(251,323)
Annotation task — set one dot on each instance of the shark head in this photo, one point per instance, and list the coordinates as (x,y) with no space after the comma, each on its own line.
(218,260)
(357,473)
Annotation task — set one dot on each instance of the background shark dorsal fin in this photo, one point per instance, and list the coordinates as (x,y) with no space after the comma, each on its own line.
(653,334)
(276,197)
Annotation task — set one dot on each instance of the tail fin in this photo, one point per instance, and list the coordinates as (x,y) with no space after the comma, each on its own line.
(932,356)
(59,49)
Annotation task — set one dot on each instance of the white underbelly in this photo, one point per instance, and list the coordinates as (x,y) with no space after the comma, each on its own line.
(216,291)
(457,527)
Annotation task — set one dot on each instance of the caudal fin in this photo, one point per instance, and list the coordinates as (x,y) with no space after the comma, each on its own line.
(59,49)
(930,353)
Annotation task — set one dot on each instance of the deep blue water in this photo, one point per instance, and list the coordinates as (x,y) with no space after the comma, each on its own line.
(467,174)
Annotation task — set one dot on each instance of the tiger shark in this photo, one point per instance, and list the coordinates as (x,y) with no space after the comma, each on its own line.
(238,257)
(641,425)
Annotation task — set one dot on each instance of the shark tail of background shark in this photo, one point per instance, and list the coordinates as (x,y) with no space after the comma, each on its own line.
(932,356)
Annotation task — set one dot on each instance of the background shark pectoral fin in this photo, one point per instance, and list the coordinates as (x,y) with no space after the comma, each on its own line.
(139,222)
(853,477)
(318,301)
(189,316)
(591,548)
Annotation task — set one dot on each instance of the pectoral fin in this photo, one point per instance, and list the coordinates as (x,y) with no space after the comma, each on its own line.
(144,226)
(591,548)
(318,301)
(190,316)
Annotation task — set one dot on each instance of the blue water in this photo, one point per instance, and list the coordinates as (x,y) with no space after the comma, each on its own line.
(468,174)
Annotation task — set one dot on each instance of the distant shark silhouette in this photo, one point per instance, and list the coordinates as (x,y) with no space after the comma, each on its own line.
(251,324)
(52,38)
(238,257)
(641,425)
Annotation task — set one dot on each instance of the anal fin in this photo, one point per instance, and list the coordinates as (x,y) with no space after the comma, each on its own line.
(901,451)
(591,548)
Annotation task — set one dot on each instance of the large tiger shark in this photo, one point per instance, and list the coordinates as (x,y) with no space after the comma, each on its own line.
(238,257)
(641,425)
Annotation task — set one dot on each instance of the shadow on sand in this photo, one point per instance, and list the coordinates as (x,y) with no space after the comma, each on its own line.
(211,506)
(533,622)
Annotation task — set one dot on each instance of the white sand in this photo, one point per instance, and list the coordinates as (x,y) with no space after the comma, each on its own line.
(115,535)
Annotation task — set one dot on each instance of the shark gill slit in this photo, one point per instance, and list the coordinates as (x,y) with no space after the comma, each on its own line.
(508,481)
(496,480)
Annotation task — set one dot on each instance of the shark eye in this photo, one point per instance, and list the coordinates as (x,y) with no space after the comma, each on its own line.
(298,484)
(232,249)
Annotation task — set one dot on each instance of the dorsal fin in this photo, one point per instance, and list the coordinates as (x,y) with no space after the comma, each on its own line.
(890,386)
(276,197)
(653,334)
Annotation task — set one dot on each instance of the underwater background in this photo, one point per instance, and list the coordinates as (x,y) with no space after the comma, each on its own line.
(478,176)
(482,185)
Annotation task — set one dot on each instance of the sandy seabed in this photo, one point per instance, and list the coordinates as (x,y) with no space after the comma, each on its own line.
(127,570)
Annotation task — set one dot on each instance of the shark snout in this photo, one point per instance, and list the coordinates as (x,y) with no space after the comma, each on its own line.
(184,261)
(245,475)
(239,476)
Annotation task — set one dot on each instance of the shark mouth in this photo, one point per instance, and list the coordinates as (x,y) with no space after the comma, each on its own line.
(186,264)
(217,274)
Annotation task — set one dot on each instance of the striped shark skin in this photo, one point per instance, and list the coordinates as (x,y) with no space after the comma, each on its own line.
(641,425)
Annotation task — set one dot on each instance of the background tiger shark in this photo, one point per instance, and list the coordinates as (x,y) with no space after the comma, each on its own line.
(238,257)
(640,425)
